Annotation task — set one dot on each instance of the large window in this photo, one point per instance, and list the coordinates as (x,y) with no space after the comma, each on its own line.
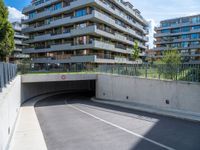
(57,6)
(195,27)
(184,44)
(185,20)
(175,45)
(81,12)
(81,40)
(165,24)
(195,36)
(32,14)
(185,29)
(195,43)
(196,19)
(165,31)
(175,30)
(185,36)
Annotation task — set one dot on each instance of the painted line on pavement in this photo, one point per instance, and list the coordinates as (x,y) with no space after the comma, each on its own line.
(121,128)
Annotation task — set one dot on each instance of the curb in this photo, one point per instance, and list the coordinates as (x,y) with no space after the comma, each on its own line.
(31,131)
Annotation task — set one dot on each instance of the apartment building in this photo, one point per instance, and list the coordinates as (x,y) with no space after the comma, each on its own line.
(81,32)
(17,54)
(182,34)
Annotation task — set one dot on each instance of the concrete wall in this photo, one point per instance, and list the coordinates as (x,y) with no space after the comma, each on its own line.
(181,95)
(10,101)
(33,78)
(30,90)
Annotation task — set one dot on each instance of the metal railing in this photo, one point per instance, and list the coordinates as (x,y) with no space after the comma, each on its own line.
(182,72)
(7,73)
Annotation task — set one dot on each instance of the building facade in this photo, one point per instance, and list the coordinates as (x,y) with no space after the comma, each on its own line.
(19,37)
(71,32)
(182,34)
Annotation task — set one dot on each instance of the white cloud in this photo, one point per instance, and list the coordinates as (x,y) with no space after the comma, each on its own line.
(14,14)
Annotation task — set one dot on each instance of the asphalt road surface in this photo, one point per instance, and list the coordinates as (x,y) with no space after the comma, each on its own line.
(73,122)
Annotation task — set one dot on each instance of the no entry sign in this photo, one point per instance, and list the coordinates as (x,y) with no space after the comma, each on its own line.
(63,77)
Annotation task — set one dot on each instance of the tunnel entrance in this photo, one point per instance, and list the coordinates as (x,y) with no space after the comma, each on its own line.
(85,87)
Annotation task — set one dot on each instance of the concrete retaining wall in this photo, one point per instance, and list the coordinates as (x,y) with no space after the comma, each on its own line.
(10,101)
(181,95)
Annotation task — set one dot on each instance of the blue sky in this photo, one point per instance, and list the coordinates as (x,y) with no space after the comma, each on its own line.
(18,4)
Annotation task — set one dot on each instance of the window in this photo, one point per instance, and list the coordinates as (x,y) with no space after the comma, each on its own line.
(196,19)
(175,45)
(175,30)
(195,27)
(81,12)
(185,29)
(32,14)
(185,20)
(119,22)
(50,8)
(81,25)
(48,21)
(194,36)
(195,43)
(165,31)
(184,44)
(57,6)
(174,22)
(81,40)
(165,24)
(185,36)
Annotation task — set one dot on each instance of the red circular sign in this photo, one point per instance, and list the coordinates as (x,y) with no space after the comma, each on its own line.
(63,77)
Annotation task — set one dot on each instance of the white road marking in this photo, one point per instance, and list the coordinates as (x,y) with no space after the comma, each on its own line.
(126,130)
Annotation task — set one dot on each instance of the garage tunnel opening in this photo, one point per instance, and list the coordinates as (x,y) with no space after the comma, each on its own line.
(83,88)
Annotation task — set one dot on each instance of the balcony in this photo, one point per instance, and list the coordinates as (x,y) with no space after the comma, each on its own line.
(77,4)
(21,56)
(177,26)
(94,16)
(64,47)
(68,59)
(18,42)
(131,11)
(178,48)
(33,7)
(69,34)
(59,22)
(117,14)
(48,13)
(84,58)
(175,41)
(174,34)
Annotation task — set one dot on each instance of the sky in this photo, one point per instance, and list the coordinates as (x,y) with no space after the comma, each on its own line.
(152,10)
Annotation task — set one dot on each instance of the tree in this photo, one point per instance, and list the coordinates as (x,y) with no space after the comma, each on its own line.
(6,33)
(171,57)
(170,62)
(136,50)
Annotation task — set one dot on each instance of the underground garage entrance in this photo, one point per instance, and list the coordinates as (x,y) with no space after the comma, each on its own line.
(85,87)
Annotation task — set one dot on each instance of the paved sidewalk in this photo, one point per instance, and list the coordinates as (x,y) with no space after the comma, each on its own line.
(172,113)
(28,134)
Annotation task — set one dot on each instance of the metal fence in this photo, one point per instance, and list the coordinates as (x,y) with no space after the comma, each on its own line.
(182,72)
(7,73)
